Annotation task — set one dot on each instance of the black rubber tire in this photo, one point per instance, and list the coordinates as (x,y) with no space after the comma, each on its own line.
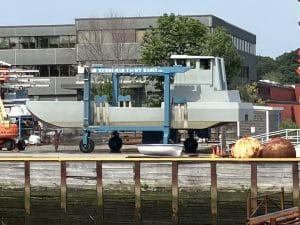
(115,144)
(10,144)
(88,148)
(190,145)
(21,145)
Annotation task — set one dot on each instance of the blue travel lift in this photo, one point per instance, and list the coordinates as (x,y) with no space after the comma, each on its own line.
(115,143)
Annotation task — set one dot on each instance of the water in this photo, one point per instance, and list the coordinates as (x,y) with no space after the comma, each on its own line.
(119,208)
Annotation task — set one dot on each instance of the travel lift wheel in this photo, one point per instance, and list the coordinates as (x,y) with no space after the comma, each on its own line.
(115,142)
(88,148)
(190,145)
(9,144)
(21,145)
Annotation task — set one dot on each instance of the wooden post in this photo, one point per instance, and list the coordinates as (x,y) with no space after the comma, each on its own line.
(175,198)
(99,189)
(214,193)
(137,191)
(99,185)
(248,213)
(27,186)
(63,187)
(266,204)
(282,198)
(273,221)
(253,187)
(295,170)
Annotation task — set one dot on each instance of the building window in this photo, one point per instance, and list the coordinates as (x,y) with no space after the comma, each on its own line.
(44,70)
(139,35)
(53,42)
(4,43)
(245,72)
(54,70)
(28,42)
(92,36)
(119,36)
(43,42)
(14,42)
(72,42)
(57,70)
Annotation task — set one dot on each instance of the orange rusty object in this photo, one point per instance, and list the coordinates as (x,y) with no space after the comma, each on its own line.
(10,131)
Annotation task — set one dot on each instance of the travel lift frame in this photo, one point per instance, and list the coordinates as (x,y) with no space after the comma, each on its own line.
(115,143)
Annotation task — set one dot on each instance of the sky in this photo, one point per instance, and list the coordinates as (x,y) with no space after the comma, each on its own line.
(274,22)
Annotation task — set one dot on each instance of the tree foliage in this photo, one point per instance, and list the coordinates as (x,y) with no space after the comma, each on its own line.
(288,124)
(274,76)
(184,35)
(249,93)
(173,35)
(264,65)
(220,44)
(282,69)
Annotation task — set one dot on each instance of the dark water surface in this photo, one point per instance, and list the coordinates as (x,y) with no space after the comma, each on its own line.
(119,208)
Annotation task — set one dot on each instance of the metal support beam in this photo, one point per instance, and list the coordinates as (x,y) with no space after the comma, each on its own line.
(63,186)
(214,193)
(253,195)
(175,193)
(27,186)
(115,94)
(167,109)
(99,187)
(137,191)
(295,170)
(87,98)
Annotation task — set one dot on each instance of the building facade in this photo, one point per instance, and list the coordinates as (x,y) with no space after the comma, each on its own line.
(285,96)
(56,50)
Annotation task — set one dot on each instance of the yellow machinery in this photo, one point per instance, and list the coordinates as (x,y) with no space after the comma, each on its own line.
(8,131)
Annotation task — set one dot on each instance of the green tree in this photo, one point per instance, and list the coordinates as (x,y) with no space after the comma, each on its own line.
(286,64)
(249,93)
(274,76)
(219,43)
(173,35)
(283,66)
(288,124)
(184,35)
(264,65)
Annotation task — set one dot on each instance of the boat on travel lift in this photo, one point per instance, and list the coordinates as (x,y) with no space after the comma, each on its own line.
(199,99)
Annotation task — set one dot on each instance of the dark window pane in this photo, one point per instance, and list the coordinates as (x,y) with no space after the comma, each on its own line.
(24,42)
(43,42)
(72,41)
(53,42)
(4,43)
(64,70)
(64,41)
(14,42)
(54,70)
(32,42)
(44,72)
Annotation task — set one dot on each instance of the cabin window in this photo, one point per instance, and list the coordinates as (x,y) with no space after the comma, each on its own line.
(205,64)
